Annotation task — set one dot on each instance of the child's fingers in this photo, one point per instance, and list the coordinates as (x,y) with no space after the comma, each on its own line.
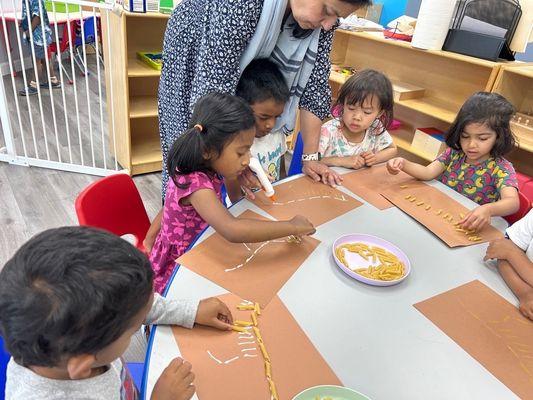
(218,324)
(248,193)
(183,369)
(189,392)
(225,311)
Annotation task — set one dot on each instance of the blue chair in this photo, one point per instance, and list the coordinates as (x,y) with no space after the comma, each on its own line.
(88,39)
(296,161)
(4,359)
(136,371)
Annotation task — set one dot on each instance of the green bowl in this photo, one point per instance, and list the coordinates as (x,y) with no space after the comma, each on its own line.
(335,392)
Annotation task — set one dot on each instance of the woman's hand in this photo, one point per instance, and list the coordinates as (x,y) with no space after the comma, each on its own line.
(213,312)
(320,172)
(477,218)
(395,165)
(175,383)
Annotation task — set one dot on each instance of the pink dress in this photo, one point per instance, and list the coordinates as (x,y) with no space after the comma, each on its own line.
(180,224)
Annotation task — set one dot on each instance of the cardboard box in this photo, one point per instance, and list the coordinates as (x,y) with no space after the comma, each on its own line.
(429,142)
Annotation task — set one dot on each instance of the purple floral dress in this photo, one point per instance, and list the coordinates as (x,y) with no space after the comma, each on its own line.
(180,224)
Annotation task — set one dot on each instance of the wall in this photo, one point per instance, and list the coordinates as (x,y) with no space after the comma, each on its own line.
(392,9)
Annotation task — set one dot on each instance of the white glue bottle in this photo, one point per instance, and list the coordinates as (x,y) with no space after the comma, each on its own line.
(256,167)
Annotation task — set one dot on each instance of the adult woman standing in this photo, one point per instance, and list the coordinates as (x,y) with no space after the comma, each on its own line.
(209,42)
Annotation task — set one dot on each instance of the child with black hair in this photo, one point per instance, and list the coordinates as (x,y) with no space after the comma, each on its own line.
(70,300)
(215,148)
(263,87)
(357,135)
(473,165)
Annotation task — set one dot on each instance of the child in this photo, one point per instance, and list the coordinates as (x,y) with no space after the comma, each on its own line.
(473,165)
(216,147)
(40,45)
(515,261)
(70,300)
(357,136)
(264,88)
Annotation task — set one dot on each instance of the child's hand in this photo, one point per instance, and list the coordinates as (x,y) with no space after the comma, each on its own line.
(369,157)
(477,218)
(354,162)
(213,312)
(526,305)
(175,383)
(303,226)
(500,249)
(395,165)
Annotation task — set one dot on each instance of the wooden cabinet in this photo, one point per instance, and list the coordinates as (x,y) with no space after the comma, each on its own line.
(132,114)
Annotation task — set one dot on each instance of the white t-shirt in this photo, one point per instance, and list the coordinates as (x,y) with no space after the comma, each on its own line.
(268,150)
(333,143)
(521,233)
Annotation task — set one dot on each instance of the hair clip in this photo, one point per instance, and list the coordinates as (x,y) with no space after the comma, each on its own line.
(199,127)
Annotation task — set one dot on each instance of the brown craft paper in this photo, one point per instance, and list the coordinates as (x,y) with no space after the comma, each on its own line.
(270,266)
(488,328)
(296,363)
(318,202)
(367,183)
(436,223)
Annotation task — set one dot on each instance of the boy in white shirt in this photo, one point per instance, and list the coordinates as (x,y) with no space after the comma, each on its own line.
(263,87)
(70,300)
(515,261)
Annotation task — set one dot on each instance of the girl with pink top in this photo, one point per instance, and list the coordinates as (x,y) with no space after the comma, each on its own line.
(216,147)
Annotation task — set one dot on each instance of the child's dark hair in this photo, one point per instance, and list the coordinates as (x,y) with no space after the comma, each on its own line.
(366,84)
(262,80)
(487,108)
(70,291)
(216,119)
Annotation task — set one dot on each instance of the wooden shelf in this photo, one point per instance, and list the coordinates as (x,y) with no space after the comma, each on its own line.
(143,106)
(378,37)
(147,15)
(138,69)
(524,137)
(145,155)
(434,107)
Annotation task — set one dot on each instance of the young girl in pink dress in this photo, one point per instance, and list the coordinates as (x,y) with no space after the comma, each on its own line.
(215,147)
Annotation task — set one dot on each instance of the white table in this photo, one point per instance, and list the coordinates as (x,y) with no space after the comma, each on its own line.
(382,347)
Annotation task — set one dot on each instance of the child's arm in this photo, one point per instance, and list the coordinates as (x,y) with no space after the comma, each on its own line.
(423,173)
(354,162)
(241,230)
(380,156)
(153,231)
(480,216)
(521,289)
(505,249)
(233,187)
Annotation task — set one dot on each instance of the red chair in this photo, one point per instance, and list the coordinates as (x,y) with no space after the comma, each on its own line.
(113,203)
(525,206)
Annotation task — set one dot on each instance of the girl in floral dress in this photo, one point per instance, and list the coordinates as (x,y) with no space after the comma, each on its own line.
(473,165)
